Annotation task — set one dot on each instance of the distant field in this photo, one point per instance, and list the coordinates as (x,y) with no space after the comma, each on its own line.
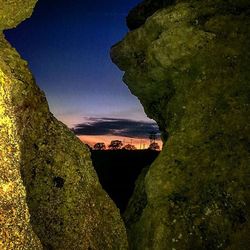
(118,171)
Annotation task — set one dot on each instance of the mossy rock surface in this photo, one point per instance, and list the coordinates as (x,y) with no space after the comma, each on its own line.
(13,12)
(15,228)
(47,181)
(189,66)
(16,232)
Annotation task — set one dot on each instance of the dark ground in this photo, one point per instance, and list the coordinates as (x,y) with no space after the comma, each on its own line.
(118,171)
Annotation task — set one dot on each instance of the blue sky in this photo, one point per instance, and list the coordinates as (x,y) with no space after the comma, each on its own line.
(67,45)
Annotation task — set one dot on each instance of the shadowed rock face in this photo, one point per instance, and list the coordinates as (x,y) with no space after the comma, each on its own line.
(189,66)
(67,205)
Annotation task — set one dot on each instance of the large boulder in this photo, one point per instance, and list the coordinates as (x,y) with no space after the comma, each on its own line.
(67,205)
(15,229)
(189,66)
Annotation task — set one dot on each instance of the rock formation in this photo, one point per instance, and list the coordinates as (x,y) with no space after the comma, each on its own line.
(67,205)
(188,63)
(15,228)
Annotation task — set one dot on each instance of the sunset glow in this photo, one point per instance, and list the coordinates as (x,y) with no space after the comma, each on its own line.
(137,142)
(83,87)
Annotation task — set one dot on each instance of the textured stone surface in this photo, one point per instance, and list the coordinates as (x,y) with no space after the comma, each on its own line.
(67,205)
(189,66)
(15,228)
(13,12)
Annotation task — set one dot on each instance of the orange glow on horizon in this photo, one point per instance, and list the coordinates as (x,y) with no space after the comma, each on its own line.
(139,143)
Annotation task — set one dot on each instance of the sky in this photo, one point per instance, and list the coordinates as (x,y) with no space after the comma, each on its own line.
(67,46)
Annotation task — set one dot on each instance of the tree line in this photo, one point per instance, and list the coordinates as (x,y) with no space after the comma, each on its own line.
(118,145)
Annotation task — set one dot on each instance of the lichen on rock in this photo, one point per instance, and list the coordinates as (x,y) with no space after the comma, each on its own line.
(188,64)
(15,229)
(14,12)
(44,166)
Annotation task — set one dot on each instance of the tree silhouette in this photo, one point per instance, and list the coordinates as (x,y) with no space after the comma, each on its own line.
(100,146)
(129,147)
(154,146)
(115,145)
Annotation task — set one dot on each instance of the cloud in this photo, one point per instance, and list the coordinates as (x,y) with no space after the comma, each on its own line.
(117,127)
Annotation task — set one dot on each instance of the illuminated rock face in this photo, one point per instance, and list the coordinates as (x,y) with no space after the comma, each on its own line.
(189,66)
(15,228)
(68,207)
(14,12)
